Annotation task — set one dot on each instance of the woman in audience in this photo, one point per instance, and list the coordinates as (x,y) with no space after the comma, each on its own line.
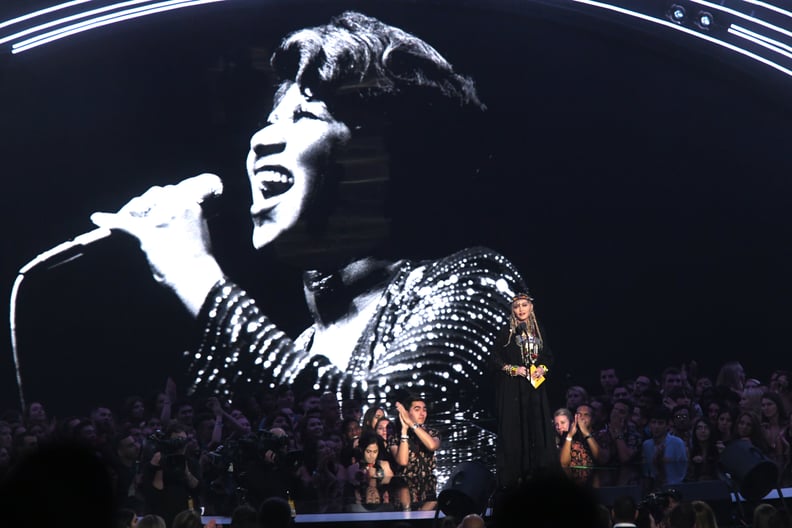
(370,419)
(779,383)
(702,452)
(731,377)
(322,476)
(705,516)
(724,432)
(562,420)
(748,428)
(751,399)
(774,420)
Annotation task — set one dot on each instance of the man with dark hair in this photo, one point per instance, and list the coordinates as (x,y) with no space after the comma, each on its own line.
(608,380)
(664,455)
(415,450)
(171,479)
(123,466)
(681,422)
(624,512)
(670,378)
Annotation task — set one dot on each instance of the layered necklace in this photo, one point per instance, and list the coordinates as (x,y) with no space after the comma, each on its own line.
(529,344)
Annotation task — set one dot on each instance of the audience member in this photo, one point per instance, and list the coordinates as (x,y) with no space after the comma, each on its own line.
(171,479)
(682,516)
(133,410)
(641,384)
(187,519)
(244,516)
(124,471)
(575,395)
(322,476)
(415,451)
(705,516)
(608,381)
(751,399)
(152,521)
(624,512)
(704,385)
(761,515)
(670,378)
(370,419)
(664,455)
(125,518)
(275,512)
(703,455)
(731,379)
(774,420)
(622,393)
(749,429)
(562,421)
(580,448)
(779,383)
(597,406)
(472,520)
(620,448)
(681,422)
(725,428)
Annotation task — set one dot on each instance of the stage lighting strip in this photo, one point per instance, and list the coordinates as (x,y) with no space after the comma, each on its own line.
(65,20)
(112,18)
(761,40)
(703,36)
(738,14)
(769,7)
(40,12)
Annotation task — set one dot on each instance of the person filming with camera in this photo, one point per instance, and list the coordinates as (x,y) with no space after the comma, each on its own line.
(172,478)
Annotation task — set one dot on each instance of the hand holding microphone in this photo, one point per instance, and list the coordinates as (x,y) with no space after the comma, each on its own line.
(171,226)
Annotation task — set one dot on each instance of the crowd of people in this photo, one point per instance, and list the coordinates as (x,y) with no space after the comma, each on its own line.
(655,432)
(168,453)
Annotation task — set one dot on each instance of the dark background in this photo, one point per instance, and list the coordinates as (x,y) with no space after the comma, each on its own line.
(638,178)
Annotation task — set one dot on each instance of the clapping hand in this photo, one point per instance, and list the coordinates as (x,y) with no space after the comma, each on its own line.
(403,415)
(572,429)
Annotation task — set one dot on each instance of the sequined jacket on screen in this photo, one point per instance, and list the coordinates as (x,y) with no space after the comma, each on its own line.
(432,331)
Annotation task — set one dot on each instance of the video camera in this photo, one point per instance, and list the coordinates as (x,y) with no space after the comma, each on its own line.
(165,445)
(252,449)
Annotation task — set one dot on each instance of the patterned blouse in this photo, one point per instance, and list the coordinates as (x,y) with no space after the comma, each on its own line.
(582,464)
(433,326)
(420,469)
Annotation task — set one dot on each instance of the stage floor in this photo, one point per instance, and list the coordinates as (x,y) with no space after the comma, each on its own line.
(727,507)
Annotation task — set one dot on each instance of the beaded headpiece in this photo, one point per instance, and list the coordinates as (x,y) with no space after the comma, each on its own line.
(522,295)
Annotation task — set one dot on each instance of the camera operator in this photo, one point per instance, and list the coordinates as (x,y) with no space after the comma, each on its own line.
(171,479)
(270,468)
(252,468)
(124,471)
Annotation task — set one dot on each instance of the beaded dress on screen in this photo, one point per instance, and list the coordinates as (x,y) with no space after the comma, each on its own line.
(434,326)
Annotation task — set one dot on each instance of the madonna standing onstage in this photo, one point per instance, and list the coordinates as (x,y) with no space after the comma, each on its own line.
(520,364)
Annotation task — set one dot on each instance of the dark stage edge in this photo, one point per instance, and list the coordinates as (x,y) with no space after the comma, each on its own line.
(725,506)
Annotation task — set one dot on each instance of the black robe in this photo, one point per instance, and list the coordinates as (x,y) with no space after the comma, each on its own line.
(526,439)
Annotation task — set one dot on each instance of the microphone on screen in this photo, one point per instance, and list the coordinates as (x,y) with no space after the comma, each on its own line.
(203,189)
